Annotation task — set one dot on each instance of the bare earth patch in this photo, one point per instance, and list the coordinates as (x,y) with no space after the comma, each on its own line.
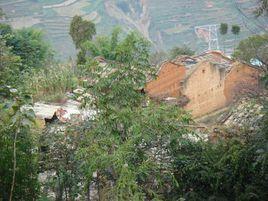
(73,9)
(21,22)
(63,4)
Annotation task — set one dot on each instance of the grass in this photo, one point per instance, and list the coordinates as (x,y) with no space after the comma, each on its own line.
(51,84)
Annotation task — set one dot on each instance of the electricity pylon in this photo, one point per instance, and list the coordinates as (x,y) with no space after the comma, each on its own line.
(210,34)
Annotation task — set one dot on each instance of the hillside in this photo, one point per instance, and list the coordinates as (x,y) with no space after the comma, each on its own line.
(109,125)
(165,23)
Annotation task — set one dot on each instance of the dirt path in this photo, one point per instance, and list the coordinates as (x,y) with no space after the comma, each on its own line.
(65,3)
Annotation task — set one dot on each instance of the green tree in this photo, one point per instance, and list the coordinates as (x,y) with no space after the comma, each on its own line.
(18,158)
(227,170)
(236,29)
(30,46)
(131,48)
(223,32)
(120,145)
(104,46)
(252,48)
(177,51)
(58,145)
(81,30)
(5,30)
(9,65)
(223,28)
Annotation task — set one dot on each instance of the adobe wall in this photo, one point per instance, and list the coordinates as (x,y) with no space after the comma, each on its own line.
(167,83)
(209,87)
(241,79)
(205,89)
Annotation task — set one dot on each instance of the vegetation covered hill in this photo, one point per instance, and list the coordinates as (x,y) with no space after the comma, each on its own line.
(165,23)
(130,147)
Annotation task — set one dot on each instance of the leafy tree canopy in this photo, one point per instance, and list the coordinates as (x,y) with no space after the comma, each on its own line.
(132,48)
(9,65)
(223,28)
(28,44)
(236,29)
(123,132)
(254,47)
(177,51)
(81,30)
(18,159)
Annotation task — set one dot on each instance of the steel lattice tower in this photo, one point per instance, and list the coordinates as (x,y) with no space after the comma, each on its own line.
(210,34)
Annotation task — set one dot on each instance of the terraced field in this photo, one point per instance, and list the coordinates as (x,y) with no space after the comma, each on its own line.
(164,22)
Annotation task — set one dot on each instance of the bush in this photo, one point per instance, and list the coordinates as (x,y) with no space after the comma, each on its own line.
(229,171)
(28,44)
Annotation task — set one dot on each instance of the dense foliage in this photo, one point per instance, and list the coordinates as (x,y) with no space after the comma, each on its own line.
(177,51)
(28,44)
(18,158)
(253,48)
(236,29)
(9,65)
(229,170)
(81,30)
(223,28)
(124,131)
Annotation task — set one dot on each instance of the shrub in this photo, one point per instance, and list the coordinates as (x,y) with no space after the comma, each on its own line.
(228,170)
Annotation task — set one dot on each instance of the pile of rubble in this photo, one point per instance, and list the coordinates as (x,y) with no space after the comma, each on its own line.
(67,111)
(244,114)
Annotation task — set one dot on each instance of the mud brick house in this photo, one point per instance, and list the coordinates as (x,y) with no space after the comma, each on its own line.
(208,82)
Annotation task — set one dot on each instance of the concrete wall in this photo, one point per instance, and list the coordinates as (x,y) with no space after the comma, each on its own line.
(167,83)
(240,80)
(205,88)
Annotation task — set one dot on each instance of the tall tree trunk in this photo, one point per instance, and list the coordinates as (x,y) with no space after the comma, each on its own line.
(14,165)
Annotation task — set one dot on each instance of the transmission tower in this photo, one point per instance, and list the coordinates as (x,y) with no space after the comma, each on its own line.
(209,33)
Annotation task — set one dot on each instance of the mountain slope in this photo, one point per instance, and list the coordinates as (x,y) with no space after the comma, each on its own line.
(166,23)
